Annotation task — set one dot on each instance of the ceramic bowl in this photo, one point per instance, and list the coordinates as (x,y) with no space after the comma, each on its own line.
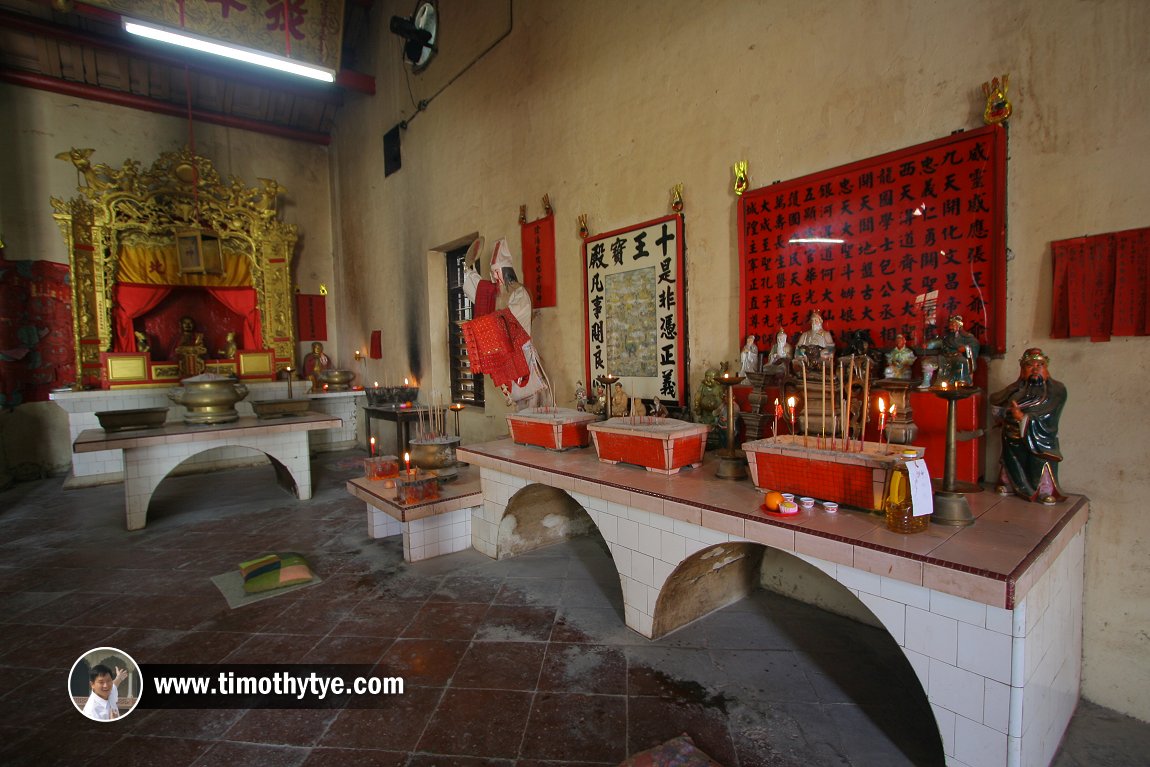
(125,420)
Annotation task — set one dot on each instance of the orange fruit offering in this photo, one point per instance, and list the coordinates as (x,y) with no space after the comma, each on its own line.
(772,500)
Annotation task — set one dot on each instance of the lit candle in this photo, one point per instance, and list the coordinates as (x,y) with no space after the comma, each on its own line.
(791,406)
(943,384)
(405,383)
(373,447)
(881,418)
(407,461)
(778,413)
(375,385)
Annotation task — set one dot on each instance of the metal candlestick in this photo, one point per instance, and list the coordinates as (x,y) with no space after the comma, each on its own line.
(732,462)
(950,504)
(456,408)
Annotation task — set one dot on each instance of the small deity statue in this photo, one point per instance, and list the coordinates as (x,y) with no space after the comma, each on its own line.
(580,397)
(709,398)
(958,354)
(1028,411)
(619,400)
(749,357)
(315,363)
(190,349)
(598,402)
(899,360)
(815,343)
(229,350)
(142,345)
(780,353)
(658,409)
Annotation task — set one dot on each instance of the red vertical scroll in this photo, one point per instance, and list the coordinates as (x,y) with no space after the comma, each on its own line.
(1101,286)
(311,316)
(538,242)
(1132,282)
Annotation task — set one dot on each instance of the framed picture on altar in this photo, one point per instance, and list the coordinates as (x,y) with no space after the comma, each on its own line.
(634,312)
(212,259)
(189,254)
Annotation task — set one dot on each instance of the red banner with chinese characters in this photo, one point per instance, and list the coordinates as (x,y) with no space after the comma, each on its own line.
(37,349)
(1101,286)
(311,317)
(862,241)
(538,242)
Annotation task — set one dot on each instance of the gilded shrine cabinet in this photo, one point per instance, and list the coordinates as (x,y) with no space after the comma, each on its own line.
(175,272)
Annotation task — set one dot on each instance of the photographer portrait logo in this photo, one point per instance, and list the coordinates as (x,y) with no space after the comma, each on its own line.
(105,684)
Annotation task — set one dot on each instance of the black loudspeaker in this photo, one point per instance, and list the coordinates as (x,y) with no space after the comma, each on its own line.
(392,161)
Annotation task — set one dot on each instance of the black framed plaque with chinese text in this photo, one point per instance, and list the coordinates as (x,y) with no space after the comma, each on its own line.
(635,323)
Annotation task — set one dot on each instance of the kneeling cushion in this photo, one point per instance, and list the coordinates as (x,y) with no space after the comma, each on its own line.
(274,571)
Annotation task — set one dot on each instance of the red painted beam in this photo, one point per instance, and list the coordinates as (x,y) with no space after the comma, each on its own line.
(132,101)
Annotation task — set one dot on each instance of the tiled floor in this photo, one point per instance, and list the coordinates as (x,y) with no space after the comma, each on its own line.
(521,662)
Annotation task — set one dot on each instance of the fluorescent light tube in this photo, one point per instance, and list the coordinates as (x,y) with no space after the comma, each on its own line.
(186,40)
(819,240)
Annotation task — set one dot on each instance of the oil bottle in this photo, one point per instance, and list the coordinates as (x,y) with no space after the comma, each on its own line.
(899,506)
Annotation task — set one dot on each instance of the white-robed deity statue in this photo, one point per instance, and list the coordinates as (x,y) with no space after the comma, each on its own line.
(749,357)
(533,389)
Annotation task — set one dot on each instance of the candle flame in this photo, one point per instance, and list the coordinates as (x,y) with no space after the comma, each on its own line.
(405,382)
(892,409)
(944,384)
(790,402)
(881,405)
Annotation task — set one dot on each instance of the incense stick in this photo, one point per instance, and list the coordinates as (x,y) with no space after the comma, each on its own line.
(806,406)
(846,413)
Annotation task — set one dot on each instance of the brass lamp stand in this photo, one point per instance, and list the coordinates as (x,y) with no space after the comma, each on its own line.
(732,462)
(950,504)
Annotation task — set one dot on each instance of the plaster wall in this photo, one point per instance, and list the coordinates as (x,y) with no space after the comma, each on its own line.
(604,106)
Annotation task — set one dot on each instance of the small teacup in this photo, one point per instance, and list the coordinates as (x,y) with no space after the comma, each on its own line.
(807,502)
(830,507)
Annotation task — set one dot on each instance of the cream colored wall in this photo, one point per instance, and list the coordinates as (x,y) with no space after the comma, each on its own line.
(38,125)
(605,105)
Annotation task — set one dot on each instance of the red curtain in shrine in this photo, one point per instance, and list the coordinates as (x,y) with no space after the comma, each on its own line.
(242,301)
(133,301)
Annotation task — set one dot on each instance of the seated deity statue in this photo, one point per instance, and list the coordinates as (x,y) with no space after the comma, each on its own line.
(814,344)
(190,350)
(899,360)
(315,363)
(780,353)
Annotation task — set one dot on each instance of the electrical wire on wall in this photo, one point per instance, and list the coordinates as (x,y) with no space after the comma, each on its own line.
(422,105)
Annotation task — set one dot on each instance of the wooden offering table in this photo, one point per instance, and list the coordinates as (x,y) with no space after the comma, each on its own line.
(150,454)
